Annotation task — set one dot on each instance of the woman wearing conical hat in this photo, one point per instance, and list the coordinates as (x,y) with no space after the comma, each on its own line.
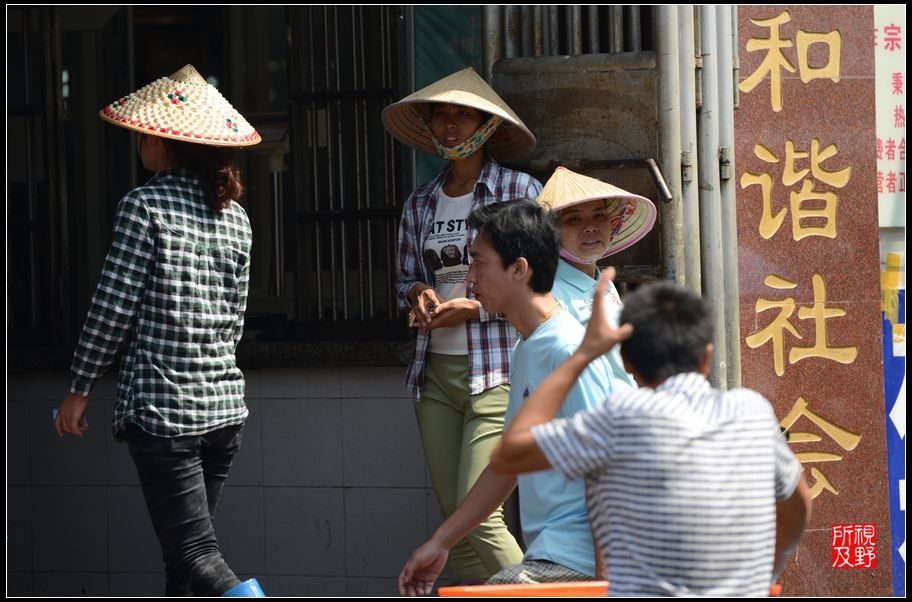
(595,220)
(459,376)
(172,296)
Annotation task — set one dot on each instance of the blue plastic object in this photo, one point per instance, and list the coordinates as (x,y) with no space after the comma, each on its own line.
(247,589)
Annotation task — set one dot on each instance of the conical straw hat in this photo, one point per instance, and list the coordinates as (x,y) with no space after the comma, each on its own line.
(402,119)
(633,215)
(182,106)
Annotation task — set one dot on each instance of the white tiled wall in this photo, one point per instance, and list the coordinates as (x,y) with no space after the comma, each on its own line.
(328,495)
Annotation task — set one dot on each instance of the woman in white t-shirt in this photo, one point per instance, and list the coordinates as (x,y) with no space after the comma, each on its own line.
(460,373)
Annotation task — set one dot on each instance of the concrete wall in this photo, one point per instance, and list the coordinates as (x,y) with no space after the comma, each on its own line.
(328,495)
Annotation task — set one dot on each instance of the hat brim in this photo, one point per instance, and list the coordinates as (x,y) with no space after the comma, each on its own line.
(163,132)
(632,216)
(182,106)
(404,119)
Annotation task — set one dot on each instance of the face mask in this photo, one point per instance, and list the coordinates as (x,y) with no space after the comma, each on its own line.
(469,145)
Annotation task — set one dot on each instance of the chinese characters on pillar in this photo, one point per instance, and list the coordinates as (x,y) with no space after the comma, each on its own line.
(776,60)
(817,221)
(800,189)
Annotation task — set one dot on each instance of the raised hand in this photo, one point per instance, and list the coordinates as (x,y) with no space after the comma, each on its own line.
(600,336)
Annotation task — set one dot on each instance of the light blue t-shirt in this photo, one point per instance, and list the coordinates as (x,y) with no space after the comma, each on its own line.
(553,510)
(574,290)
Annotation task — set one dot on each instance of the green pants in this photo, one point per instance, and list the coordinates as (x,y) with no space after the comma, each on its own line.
(459,433)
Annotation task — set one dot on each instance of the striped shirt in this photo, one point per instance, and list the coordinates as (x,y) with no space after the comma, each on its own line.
(684,480)
(490,338)
(173,291)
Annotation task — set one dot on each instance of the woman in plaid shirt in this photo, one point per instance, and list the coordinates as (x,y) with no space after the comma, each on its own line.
(172,293)
(460,373)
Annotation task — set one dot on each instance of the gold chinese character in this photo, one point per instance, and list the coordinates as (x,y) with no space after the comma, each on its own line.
(836,179)
(820,483)
(773,332)
(775,329)
(775,59)
(769,223)
(808,218)
(801,228)
(847,440)
(833,40)
(820,313)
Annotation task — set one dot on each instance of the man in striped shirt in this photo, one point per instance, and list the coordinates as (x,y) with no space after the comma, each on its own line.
(693,491)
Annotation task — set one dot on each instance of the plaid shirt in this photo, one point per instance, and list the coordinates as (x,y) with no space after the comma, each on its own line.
(490,338)
(174,289)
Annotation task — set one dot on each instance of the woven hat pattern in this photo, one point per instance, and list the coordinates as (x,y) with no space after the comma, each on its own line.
(403,119)
(632,215)
(182,106)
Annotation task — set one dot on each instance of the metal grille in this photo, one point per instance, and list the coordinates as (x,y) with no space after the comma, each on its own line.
(529,31)
(34,206)
(347,172)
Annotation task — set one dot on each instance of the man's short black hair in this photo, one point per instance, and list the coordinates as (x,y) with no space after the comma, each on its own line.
(671,328)
(517,229)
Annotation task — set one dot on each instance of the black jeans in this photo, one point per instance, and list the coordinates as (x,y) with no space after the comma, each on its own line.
(182,478)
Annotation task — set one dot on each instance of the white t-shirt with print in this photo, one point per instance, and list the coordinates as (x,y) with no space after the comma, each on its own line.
(446,256)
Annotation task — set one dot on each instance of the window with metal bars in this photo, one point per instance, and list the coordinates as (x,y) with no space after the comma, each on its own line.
(549,30)
(339,226)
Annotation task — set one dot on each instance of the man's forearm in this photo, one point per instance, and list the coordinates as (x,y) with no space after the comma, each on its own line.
(791,517)
(544,403)
(518,451)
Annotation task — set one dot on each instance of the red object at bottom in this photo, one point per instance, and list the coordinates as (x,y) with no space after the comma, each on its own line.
(579,589)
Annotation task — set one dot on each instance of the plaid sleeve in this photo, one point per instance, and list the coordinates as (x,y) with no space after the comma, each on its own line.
(114,305)
(243,287)
(534,189)
(407,252)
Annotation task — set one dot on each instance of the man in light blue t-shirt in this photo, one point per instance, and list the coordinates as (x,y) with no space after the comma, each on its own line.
(514,259)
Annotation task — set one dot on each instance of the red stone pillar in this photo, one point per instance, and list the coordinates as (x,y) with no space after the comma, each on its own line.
(809,274)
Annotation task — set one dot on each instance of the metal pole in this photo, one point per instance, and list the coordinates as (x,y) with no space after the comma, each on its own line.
(343,271)
(526,35)
(710,198)
(315,171)
(616,27)
(360,142)
(367,180)
(492,46)
(554,29)
(538,31)
(634,37)
(690,182)
(736,58)
(726,115)
(576,33)
(698,57)
(669,113)
(593,33)
(406,22)
(513,31)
